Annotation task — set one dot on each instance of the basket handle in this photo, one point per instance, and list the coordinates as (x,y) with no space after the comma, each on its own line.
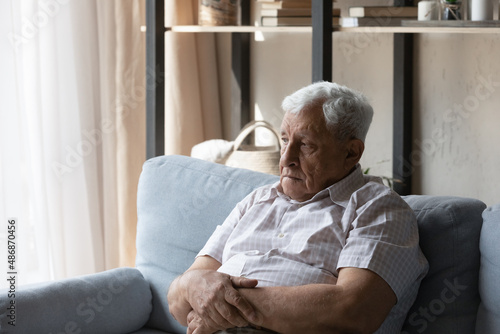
(249,128)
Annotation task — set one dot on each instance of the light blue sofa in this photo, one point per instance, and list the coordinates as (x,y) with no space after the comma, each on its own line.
(181,200)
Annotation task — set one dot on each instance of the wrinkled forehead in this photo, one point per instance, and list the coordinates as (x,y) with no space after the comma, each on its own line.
(310,120)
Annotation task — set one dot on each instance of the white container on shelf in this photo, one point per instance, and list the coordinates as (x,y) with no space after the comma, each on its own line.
(428,10)
(481,10)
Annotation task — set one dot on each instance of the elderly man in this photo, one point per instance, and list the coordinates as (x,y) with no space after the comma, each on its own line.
(332,250)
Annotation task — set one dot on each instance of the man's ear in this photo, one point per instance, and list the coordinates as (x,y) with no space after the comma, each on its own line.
(355,149)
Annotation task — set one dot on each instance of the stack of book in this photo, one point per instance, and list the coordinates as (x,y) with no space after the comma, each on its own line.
(373,13)
(274,13)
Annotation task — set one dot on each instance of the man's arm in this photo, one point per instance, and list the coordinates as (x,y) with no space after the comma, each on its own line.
(358,303)
(212,295)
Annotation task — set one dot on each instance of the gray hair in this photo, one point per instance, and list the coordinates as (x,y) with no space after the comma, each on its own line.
(348,114)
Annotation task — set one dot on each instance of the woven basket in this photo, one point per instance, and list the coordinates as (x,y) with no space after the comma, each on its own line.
(265,159)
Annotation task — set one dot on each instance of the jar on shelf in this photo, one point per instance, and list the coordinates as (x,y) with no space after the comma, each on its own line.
(480,10)
(451,9)
(219,12)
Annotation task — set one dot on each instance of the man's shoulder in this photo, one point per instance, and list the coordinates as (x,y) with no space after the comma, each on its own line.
(374,190)
(261,193)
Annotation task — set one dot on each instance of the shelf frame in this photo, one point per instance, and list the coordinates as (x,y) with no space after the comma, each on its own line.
(155,76)
(402,168)
(240,65)
(322,40)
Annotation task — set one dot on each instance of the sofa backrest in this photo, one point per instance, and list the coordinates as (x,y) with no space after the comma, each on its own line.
(448,298)
(181,200)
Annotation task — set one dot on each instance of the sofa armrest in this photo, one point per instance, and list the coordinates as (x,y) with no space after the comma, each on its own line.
(113,301)
(488,315)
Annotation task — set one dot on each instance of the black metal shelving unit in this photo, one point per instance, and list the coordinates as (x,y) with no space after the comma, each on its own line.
(322,44)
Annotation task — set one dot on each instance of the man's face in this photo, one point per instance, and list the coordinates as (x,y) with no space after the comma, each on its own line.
(311,158)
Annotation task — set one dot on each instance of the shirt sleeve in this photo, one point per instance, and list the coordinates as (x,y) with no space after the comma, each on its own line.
(217,241)
(384,238)
(215,244)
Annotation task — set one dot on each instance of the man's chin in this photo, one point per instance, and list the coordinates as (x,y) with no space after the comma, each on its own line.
(292,189)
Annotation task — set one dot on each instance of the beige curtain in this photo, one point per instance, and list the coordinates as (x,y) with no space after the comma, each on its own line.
(192,97)
(122,55)
(72,132)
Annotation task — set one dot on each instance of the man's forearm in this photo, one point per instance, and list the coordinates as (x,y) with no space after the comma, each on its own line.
(359,303)
(303,309)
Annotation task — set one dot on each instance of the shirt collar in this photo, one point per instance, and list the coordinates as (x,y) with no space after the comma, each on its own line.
(339,192)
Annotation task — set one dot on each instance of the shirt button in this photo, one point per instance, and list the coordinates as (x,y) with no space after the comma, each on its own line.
(281,235)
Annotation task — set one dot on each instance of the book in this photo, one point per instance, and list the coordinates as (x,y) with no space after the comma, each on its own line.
(293,12)
(373,3)
(373,21)
(286,4)
(383,11)
(344,5)
(273,21)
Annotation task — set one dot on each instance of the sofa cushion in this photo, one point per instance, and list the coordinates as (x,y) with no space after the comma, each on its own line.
(448,298)
(114,301)
(146,330)
(488,316)
(182,200)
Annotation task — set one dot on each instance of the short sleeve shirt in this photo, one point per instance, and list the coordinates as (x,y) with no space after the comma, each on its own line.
(357,222)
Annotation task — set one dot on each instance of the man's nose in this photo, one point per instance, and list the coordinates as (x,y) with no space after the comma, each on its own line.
(289,156)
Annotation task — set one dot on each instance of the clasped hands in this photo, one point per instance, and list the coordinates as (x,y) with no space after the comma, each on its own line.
(216,302)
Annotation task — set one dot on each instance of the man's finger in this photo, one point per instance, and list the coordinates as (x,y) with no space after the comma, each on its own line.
(231,314)
(197,326)
(217,320)
(234,298)
(243,282)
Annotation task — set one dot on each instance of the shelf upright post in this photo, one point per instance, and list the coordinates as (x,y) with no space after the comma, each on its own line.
(155,78)
(240,55)
(402,168)
(322,40)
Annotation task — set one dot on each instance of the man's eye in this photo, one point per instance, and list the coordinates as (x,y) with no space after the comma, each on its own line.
(306,146)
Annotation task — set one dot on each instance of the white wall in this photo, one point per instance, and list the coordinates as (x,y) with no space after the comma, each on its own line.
(457,115)
(456,152)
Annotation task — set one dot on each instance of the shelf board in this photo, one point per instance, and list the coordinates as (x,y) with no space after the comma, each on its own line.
(410,26)
(414,26)
(250,29)
(421,30)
